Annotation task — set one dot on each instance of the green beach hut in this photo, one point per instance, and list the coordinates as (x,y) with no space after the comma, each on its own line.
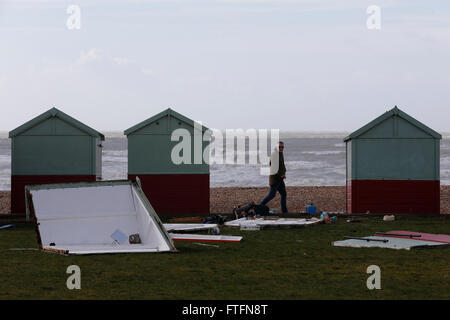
(172,186)
(52,148)
(393,166)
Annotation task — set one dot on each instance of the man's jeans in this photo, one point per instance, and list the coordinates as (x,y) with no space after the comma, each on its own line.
(281,188)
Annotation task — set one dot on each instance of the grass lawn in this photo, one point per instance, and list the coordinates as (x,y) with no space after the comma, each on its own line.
(269,264)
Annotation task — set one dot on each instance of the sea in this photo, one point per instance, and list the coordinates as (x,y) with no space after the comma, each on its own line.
(312,159)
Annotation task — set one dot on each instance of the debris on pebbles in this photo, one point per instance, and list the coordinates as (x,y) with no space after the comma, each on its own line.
(330,199)
(223,200)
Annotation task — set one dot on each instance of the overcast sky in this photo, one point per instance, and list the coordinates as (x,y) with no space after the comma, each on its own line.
(287,64)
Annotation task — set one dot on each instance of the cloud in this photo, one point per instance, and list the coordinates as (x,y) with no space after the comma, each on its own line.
(147,71)
(122,61)
(97,61)
(92,84)
(92,56)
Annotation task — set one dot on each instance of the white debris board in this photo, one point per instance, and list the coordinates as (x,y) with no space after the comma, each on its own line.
(279,223)
(391,243)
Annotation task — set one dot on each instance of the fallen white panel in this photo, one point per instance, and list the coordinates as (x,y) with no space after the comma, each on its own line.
(384,242)
(204,238)
(189,226)
(85,218)
(269,223)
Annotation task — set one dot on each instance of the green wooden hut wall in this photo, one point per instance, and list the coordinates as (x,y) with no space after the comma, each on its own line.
(393,166)
(52,148)
(171,188)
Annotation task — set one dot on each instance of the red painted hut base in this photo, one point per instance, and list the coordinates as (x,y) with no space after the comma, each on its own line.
(18,184)
(176,193)
(393,196)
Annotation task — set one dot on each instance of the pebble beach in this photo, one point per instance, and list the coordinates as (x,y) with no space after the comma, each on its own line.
(223,200)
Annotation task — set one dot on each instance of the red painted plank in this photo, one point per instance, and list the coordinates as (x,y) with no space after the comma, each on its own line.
(204,238)
(18,184)
(176,193)
(443,238)
(394,196)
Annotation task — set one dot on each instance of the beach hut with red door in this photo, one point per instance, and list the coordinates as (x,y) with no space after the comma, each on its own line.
(171,185)
(393,166)
(52,148)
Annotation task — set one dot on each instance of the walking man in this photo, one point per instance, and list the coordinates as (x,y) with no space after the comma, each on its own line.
(277,176)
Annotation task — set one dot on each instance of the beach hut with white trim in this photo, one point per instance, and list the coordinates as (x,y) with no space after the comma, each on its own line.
(172,187)
(52,148)
(393,166)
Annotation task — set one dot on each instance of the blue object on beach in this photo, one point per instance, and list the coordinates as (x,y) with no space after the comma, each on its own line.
(6,226)
(311,209)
